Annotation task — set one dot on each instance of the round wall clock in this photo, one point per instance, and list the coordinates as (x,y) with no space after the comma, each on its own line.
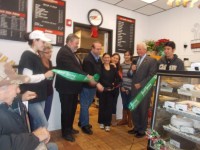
(95,17)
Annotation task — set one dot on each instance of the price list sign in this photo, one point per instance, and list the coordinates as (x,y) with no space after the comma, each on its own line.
(49,16)
(13,19)
(125,34)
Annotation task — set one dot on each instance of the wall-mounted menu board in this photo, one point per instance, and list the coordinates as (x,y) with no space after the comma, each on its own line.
(125,34)
(13,19)
(49,16)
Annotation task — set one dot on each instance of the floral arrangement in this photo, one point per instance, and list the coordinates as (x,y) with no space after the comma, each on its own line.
(157,46)
(159,143)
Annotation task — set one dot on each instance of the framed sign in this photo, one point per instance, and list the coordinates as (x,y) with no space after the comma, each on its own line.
(13,19)
(125,34)
(49,16)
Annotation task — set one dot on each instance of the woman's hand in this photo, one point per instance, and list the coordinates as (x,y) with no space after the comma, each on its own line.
(48,74)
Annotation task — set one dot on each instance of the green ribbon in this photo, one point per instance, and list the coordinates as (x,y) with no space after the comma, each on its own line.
(72,76)
(137,100)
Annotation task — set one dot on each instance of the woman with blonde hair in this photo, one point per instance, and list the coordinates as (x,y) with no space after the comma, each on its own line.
(45,56)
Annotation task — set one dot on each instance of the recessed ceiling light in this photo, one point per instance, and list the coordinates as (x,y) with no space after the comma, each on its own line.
(149,1)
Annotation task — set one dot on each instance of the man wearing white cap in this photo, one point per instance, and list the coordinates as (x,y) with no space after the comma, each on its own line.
(31,65)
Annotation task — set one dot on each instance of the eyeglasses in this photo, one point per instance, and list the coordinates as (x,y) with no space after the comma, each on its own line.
(49,52)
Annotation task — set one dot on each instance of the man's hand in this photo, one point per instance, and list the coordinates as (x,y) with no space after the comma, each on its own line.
(42,134)
(133,67)
(28,95)
(92,81)
(137,86)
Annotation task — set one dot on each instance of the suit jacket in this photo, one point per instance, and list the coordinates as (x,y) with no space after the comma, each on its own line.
(14,132)
(143,74)
(91,67)
(66,60)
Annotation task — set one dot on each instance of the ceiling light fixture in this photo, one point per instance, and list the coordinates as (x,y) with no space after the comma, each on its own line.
(149,1)
(184,3)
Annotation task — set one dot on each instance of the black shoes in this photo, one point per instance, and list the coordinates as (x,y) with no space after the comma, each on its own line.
(140,134)
(74,131)
(79,124)
(133,131)
(87,130)
(69,137)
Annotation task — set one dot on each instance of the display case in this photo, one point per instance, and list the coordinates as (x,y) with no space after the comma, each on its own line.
(176,110)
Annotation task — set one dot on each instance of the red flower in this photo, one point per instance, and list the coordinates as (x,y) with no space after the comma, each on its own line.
(159,46)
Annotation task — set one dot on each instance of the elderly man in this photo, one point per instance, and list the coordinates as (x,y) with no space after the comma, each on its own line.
(13,123)
(141,73)
(91,65)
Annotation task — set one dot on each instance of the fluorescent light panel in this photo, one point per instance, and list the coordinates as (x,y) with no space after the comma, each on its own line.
(149,1)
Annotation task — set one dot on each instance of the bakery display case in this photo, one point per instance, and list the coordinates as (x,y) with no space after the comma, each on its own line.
(176,110)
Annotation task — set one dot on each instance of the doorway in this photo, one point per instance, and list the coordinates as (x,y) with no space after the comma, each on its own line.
(83,31)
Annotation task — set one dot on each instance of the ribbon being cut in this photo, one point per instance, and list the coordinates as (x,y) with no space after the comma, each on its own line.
(72,76)
(138,99)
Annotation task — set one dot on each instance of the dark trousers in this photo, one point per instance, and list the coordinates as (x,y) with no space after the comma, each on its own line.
(105,108)
(140,115)
(68,110)
(115,97)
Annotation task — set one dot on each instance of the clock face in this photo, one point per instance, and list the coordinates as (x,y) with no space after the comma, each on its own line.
(95,18)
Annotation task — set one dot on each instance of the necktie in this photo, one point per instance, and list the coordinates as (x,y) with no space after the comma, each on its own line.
(139,62)
(76,58)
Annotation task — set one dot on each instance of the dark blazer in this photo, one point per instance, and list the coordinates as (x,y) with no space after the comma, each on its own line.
(14,133)
(91,66)
(66,60)
(143,74)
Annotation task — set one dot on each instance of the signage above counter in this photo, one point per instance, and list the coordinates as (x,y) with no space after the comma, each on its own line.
(49,16)
(125,34)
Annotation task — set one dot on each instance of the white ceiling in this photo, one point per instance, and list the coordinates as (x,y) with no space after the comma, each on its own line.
(140,6)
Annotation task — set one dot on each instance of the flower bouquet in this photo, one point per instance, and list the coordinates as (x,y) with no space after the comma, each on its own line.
(159,46)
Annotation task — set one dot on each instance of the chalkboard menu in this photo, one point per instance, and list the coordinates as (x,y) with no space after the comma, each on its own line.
(125,34)
(49,16)
(13,19)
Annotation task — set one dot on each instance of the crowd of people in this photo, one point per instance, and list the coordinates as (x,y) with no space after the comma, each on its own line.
(28,130)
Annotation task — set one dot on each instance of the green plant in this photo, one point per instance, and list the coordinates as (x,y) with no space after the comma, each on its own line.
(150,45)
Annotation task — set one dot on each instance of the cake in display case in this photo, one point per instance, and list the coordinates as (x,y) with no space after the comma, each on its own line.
(176,114)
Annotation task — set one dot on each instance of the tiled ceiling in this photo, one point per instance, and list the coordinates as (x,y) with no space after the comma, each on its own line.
(140,6)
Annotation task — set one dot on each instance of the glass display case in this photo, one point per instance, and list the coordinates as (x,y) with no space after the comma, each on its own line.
(176,111)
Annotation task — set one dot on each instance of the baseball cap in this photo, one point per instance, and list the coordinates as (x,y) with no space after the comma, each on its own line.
(8,76)
(37,34)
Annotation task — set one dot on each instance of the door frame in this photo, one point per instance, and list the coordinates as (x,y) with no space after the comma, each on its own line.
(110,34)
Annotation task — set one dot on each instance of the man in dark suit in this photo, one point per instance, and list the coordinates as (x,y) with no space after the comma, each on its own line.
(91,65)
(68,91)
(141,73)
